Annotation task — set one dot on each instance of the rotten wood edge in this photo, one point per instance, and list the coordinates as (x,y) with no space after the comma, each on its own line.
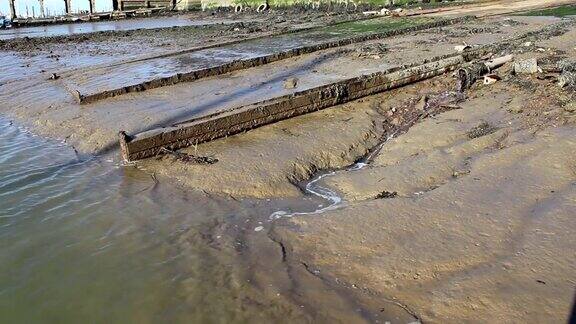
(257,61)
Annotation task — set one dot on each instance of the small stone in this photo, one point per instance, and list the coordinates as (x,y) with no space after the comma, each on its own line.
(290,83)
(421,105)
(528,66)
(491,78)
(462,48)
(570,107)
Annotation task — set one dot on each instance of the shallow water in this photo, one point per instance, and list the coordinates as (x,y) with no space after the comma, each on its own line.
(92,240)
(107,25)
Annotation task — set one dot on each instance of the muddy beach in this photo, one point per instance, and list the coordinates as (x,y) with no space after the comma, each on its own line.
(421,203)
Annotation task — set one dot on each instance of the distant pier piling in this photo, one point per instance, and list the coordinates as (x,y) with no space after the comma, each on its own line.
(68,6)
(42,14)
(12,9)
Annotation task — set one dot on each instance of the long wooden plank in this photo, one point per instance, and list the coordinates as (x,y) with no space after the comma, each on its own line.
(221,124)
(84,98)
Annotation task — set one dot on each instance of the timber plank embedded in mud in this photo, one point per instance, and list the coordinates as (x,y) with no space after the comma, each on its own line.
(150,143)
(190,66)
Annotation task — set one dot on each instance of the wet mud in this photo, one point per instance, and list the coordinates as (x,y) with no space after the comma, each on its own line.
(416,204)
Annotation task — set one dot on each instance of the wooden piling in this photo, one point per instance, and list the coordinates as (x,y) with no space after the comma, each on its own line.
(42,14)
(67,6)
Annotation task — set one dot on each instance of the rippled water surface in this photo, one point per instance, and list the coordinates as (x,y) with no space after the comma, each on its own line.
(91,240)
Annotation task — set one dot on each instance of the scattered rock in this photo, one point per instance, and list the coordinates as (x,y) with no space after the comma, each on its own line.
(290,83)
(54,76)
(528,66)
(386,194)
(188,158)
(491,78)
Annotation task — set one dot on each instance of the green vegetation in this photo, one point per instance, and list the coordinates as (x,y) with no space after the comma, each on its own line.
(563,11)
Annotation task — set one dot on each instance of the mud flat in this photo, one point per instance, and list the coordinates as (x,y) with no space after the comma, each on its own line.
(93,127)
(465,216)
(463,209)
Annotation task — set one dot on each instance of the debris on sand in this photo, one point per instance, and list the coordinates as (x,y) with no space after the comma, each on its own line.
(469,74)
(382,12)
(290,83)
(188,158)
(483,129)
(568,76)
(387,194)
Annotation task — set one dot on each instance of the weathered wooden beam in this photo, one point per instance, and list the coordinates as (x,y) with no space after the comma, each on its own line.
(92,5)
(221,124)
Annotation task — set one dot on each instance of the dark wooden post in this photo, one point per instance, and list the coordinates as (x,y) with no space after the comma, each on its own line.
(91,6)
(67,6)
(12,9)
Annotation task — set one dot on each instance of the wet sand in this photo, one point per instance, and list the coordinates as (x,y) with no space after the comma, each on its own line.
(471,228)
(463,215)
